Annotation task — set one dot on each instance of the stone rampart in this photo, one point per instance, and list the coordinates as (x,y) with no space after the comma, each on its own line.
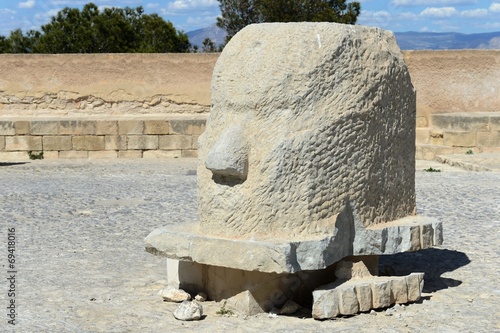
(104,84)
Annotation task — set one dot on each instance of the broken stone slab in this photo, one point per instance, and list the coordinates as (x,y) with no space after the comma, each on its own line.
(189,310)
(171,294)
(290,256)
(361,295)
(244,303)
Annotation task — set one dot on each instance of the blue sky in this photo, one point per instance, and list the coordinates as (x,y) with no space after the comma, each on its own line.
(465,16)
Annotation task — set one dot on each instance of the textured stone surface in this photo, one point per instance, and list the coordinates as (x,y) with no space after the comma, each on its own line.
(285,255)
(189,310)
(244,303)
(327,118)
(362,294)
(171,294)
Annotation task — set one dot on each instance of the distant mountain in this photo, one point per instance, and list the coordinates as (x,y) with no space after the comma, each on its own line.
(216,34)
(406,40)
(447,40)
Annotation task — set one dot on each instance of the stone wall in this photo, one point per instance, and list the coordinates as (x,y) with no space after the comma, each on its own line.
(104,84)
(104,89)
(100,137)
(454,81)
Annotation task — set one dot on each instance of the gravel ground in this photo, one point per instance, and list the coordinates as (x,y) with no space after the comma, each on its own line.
(81,265)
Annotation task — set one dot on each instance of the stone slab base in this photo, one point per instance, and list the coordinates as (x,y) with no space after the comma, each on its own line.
(290,256)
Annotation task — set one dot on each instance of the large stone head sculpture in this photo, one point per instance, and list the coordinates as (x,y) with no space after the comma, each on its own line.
(307,118)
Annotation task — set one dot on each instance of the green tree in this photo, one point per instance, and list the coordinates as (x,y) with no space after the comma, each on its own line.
(113,30)
(236,14)
(18,42)
(208,46)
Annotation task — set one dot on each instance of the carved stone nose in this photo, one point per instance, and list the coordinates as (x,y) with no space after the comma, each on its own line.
(229,156)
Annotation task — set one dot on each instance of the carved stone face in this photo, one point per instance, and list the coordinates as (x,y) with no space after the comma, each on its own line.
(304,118)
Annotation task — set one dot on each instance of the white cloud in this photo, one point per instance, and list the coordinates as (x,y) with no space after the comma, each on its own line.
(495,7)
(184,5)
(27,4)
(439,12)
(414,3)
(474,13)
(152,5)
(45,17)
(6,11)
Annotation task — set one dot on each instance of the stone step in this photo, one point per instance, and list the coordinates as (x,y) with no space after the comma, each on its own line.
(429,151)
(466,122)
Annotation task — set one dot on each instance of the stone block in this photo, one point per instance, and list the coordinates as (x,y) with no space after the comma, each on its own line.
(422,135)
(24,142)
(326,303)
(399,290)
(77,127)
(142,142)
(14,156)
(55,143)
(160,127)
(50,155)
(415,284)
(106,127)
(44,127)
(173,142)
(364,295)
(438,233)
(381,294)
(429,152)
(2,142)
(348,301)
(115,142)
(104,154)
(426,236)
(244,304)
(74,154)
(488,139)
(187,126)
(88,142)
(494,124)
(436,138)
(23,127)
(459,139)
(7,128)
(461,122)
(126,127)
(162,154)
(189,153)
(130,154)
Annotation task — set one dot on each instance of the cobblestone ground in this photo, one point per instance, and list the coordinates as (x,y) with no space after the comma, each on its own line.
(81,264)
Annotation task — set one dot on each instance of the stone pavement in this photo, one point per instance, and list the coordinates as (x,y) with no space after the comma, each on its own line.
(81,264)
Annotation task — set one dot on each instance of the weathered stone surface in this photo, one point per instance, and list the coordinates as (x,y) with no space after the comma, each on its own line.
(361,295)
(88,142)
(289,308)
(201,297)
(244,303)
(310,111)
(25,142)
(284,255)
(57,143)
(171,294)
(189,310)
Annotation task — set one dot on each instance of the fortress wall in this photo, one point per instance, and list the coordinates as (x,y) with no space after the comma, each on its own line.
(104,84)
(57,103)
(454,81)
